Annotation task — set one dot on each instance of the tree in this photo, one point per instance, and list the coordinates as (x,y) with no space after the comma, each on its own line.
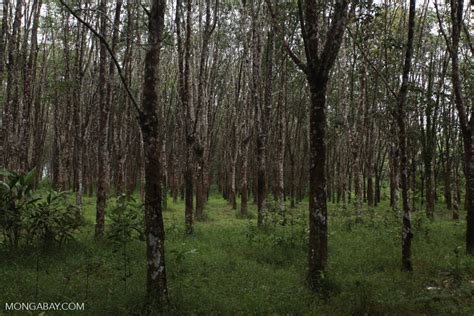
(261,105)
(319,63)
(154,230)
(466,123)
(407,234)
(189,118)
(147,117)
(104,112)
(201,150)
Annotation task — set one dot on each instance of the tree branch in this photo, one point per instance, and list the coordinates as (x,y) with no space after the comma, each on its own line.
(468,36)
(300,64)
(109,49)
(441,28)
(303,28)
(367,60)
(334,36)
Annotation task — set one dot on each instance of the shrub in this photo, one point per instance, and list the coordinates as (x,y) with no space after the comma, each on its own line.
(27,217)
(127,221)
(16,196)
(52,219)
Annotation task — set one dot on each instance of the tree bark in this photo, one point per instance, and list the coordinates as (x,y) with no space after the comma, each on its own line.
(103,148)
(185,89)
(317,72)
(466,124)
(407,234)
(155,235)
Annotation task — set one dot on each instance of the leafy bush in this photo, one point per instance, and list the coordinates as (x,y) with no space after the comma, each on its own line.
(286,230)
(127,221)
(179,257)
(16,196)
(52,219)
(27,217)
(421,224)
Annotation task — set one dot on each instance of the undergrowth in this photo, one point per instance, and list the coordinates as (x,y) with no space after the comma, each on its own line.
(230,267)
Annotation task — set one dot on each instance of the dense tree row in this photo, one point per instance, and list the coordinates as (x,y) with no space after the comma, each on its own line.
(273,101)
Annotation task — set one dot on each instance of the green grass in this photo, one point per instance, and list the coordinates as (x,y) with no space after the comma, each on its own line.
(230,267)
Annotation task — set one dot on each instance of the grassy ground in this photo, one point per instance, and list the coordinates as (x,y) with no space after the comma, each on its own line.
(230,267)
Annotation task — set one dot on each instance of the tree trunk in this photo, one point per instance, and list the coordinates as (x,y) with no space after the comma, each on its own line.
(185,90)
(467,125)
(401,117)
(317,72)
(281,136)
(102,150)
(244,179)
(3,36)
(154,230)
(318,247)
(261,110)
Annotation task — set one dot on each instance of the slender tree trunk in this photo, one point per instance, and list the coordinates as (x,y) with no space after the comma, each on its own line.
(244,178)
(467,125)
(429,149)
(3,35)
(280,183)
(155,235)
(103,148)
(401,117)
(318,250)
(185,89)
(317,72)
(457,199)
(261,111)
(233,191)
(11,104)
(79,135)
(394,178)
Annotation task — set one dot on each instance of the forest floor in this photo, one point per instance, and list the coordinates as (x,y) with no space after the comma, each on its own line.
(229,267)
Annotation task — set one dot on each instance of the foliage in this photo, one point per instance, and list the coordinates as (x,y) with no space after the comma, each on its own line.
(126,220)
(286,229)
(126,224)
(27,217)
(180,256)
(52,219)
(16,196)
(227,267)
